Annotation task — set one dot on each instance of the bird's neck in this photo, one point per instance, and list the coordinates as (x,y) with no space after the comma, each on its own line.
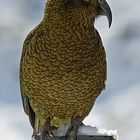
(56,15)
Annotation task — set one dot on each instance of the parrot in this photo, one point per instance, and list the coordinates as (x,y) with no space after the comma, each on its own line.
(63,66)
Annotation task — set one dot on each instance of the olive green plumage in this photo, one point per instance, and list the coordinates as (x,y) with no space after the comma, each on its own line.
(63,64)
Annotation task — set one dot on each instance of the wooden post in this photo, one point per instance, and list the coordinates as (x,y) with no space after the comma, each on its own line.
(84,137)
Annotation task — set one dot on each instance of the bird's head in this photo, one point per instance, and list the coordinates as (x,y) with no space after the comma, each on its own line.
(82,11)
(93,8)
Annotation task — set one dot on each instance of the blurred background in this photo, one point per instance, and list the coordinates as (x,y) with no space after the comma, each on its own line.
(118,106)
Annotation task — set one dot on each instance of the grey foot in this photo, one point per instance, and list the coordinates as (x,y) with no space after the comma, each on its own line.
(44,137)
(72,131)
(46,133)
(35,137)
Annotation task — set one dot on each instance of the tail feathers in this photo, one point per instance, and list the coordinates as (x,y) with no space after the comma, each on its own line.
(31,115)
(28,110)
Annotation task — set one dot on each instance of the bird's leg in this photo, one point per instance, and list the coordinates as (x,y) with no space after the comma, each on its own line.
(72,131)
(46,132)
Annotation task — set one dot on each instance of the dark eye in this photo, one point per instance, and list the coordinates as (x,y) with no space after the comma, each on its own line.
(86,0)
(100,1)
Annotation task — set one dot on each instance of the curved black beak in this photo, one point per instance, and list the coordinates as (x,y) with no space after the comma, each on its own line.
(105,10)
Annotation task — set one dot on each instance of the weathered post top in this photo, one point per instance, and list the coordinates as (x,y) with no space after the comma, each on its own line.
(83,137)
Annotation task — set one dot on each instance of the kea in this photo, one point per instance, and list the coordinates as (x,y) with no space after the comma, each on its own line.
(63,66)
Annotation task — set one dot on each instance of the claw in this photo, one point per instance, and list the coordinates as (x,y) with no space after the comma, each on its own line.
(35,137)
(46,135)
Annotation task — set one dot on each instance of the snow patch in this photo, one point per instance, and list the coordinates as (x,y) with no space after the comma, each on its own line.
(109,133)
